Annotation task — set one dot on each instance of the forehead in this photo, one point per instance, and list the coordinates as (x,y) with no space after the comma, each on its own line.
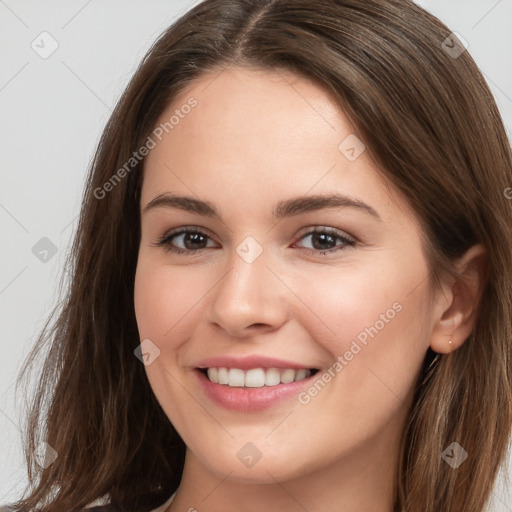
(258,133)
(275,110)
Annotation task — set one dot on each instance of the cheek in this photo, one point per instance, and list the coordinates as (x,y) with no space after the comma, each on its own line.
(375,321)
(163,295)
(359,303)
(166,302)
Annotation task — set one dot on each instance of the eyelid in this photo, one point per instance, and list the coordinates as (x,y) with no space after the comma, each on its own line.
(181,229)
(162,241)
(317,228)
(305,231)
(347,240)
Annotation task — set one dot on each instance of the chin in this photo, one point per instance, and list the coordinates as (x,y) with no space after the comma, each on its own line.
(246,464)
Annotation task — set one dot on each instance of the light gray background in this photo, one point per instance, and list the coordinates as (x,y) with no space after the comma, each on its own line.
(52,114)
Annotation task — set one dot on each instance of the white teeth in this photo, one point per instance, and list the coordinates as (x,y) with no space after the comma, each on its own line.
(236,377)
(287,376)
(256,377)
(301,374)
(272,377)
(223,375)
(213,374)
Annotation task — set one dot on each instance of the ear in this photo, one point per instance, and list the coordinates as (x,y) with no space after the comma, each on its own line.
(457,303)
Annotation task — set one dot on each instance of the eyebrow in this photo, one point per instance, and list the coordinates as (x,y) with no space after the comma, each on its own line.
(283,209)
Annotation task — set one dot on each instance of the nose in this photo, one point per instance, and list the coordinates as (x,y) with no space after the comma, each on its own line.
(250,299)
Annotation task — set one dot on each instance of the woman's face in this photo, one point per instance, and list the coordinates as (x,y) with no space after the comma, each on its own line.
(265,151)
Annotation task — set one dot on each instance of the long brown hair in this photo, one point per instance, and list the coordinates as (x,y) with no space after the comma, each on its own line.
(429,121)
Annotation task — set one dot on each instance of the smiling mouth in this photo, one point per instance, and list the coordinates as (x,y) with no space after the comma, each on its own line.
(255,377)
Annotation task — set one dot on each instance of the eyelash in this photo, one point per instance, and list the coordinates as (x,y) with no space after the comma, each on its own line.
(165,241)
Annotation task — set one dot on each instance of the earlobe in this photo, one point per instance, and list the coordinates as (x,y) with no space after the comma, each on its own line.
(457,308)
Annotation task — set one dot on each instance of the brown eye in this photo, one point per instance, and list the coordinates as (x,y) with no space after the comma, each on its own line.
(324,241)
(184,241)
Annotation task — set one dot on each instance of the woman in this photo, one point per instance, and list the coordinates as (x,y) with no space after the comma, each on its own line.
(291,274)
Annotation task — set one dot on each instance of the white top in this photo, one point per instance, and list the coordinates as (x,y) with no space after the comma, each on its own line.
(161,508)
(166,504)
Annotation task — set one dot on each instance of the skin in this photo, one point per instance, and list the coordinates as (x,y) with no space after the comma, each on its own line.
(257,137)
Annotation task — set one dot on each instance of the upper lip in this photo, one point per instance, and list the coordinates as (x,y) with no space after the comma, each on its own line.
(249,362)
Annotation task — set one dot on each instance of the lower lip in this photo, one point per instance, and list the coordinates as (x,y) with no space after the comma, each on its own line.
(250,399)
